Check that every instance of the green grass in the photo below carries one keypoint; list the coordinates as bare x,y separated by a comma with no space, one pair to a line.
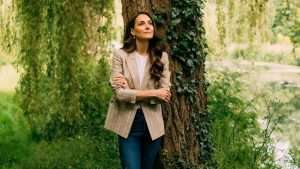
77,153
19,151
14,131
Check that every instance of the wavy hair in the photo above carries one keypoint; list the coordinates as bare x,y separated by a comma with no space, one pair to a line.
155,50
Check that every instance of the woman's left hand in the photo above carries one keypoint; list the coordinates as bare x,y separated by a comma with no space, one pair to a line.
119,81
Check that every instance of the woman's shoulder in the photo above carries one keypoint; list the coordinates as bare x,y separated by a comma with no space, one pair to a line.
119,51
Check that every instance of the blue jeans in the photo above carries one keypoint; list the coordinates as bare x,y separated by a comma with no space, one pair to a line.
138,151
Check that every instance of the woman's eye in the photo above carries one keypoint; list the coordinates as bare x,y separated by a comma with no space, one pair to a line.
143,23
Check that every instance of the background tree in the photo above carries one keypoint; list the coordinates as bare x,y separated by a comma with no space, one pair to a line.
61,83
287,21
243,20
187,140
7,29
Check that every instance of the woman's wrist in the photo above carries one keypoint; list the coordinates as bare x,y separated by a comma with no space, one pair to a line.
152,93
144,94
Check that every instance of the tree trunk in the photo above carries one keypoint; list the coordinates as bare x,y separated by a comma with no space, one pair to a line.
181,145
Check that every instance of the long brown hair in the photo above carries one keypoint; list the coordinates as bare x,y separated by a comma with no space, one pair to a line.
156,47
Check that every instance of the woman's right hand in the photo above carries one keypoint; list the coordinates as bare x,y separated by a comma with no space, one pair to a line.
119,81
163,94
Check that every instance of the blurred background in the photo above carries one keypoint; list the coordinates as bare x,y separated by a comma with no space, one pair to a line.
252,66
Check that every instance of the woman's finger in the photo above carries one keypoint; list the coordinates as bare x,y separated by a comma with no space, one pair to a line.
121,81
119,77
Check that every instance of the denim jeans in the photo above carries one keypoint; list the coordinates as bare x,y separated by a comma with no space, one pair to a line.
138,151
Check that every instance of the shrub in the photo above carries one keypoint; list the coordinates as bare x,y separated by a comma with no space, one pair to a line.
238,141
295,155
77,153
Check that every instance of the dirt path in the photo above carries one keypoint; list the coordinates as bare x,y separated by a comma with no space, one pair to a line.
263,72
8,78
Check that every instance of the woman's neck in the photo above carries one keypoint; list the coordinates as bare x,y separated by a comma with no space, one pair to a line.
142,47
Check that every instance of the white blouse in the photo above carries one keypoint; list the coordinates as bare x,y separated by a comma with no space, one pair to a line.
141,63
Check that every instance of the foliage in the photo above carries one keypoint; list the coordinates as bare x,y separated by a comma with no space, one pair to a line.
92,148
287,20
295,154
221,19
59,87
63,92
77,152
189,50
95,97
14,131
240,21
8,27
175,161
238,140
289,95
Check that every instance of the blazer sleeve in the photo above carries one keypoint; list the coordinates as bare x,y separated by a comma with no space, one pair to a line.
122,94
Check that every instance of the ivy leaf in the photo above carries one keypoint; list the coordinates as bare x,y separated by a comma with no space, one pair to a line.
190,62
176,21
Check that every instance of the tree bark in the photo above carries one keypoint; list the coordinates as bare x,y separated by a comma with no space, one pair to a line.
180,141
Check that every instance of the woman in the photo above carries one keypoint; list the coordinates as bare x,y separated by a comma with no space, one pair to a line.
141,81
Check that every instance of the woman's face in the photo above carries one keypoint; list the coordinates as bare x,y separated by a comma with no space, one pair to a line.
143,28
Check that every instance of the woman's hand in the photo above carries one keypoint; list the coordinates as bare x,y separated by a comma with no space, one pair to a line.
163,94
119,81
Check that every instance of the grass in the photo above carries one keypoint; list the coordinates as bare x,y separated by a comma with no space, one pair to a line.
14,131
19,151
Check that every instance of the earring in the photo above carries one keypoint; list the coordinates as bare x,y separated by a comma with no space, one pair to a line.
133,36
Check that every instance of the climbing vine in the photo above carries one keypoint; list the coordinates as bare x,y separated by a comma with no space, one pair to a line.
189,50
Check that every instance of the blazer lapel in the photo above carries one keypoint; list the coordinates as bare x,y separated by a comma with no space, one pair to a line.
133,69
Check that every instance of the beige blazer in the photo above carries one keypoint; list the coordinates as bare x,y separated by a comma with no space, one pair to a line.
123,105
